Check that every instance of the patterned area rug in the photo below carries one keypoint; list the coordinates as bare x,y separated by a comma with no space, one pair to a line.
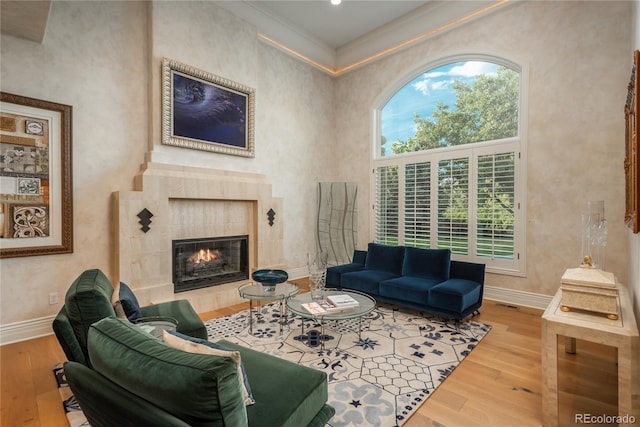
379,378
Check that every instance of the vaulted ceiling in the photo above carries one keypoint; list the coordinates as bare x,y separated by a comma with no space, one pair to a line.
335,39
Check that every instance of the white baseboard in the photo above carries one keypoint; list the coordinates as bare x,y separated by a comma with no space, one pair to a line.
29,329
510,296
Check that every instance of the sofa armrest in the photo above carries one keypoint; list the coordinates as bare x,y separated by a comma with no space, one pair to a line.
359,257
467,271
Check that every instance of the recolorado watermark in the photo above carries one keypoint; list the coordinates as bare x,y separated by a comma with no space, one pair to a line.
604,419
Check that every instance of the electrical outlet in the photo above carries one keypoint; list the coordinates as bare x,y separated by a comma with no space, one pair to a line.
53,298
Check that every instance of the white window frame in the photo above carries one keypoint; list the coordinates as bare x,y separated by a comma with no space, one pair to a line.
516,266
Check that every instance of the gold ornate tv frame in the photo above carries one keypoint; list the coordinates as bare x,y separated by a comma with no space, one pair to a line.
632,151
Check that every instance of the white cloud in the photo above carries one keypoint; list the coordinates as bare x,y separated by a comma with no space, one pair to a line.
433,80
434,74
473,68
422,86
440,85
425,86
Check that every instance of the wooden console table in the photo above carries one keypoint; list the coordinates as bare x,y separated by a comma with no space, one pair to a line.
621,334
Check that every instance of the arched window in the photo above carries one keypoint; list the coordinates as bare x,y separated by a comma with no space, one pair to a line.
449,163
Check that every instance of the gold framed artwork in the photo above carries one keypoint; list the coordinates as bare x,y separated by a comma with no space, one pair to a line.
632,154
206,112
36,192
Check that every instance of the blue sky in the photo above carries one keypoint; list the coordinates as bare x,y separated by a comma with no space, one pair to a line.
421,96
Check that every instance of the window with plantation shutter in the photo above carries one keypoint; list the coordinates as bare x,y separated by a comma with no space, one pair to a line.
417,205
453,205
495,206
387,205
449,163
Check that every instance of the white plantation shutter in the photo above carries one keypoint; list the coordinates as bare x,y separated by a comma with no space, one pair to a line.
459,182
453,205
386,207
495,213
417,205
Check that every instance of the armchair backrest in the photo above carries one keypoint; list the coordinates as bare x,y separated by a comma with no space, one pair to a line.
87,301
67,338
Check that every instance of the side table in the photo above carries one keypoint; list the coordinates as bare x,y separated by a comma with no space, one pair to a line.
257,292
154,325
621,334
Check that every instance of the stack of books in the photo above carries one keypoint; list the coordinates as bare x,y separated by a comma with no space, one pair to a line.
333,304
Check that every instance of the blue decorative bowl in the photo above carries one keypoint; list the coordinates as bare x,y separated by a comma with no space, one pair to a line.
269,278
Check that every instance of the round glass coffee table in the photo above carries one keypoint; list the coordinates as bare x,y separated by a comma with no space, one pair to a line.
257,292
366,304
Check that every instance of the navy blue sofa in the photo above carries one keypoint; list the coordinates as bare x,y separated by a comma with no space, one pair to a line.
421,279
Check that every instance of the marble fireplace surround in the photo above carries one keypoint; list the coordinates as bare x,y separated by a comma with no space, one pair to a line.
188,202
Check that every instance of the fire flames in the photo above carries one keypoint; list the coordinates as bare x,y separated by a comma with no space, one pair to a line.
204,255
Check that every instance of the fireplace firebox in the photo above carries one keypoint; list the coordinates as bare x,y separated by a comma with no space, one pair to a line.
199,263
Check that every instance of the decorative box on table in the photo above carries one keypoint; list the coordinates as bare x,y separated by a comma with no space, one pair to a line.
591,289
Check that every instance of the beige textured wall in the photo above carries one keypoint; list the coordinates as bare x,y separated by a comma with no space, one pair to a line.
577,54
293,109
103,58
97,57
92,58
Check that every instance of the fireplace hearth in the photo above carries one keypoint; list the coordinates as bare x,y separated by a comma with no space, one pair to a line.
200,263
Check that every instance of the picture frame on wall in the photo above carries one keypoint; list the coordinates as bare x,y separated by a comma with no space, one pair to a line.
632,151
36,190
203,111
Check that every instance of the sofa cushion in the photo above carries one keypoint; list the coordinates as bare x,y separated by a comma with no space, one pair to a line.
367,281
200,346
432,264
455,295
88,300
384,258
334,274
407,288
286,394
129,302
202,390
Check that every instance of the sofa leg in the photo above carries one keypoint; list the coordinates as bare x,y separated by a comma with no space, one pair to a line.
476,313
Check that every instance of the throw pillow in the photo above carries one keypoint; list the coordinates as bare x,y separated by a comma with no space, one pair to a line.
200,346
129,303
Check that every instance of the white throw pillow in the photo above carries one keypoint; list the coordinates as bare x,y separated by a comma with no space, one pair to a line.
194,347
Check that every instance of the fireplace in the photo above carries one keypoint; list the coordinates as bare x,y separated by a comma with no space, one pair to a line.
199,263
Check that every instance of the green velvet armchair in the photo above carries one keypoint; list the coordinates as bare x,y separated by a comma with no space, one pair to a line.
89,299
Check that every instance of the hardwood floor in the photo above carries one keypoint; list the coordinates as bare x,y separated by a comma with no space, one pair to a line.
498,384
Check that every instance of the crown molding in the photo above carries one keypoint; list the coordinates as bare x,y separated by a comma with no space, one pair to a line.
415,27
280,33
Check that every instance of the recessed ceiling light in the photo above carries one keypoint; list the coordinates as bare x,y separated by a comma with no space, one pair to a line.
336,2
